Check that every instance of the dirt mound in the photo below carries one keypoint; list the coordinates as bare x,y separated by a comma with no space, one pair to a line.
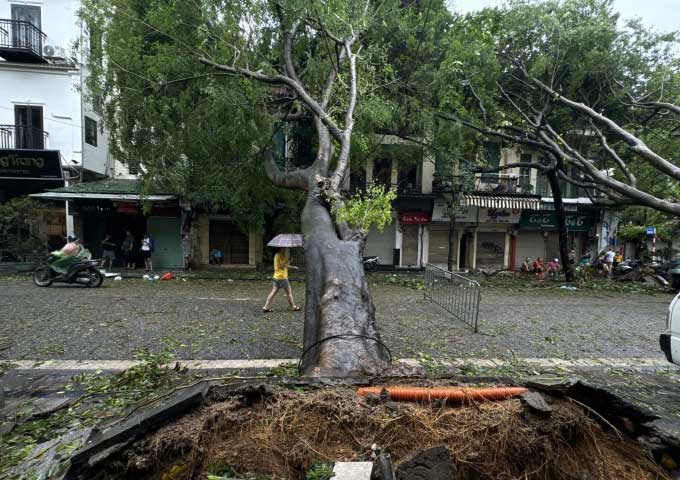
283,435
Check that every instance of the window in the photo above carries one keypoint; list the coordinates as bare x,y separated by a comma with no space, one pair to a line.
525,174
493,159
28,121
24,35
542,186
382,172
90,132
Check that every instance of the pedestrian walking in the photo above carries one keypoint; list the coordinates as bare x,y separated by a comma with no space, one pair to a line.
109,254
280,280
147,249
128,250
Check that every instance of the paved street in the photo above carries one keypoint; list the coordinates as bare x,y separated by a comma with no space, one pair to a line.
218,319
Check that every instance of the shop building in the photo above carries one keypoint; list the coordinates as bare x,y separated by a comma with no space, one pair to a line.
50,135
503,219
113,206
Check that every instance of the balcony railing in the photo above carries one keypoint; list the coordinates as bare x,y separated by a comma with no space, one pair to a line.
18,136
497,183
21,41
405,188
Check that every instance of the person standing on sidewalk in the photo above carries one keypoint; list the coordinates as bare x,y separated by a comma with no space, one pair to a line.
609,261
127,249
280,280
109,254
147,250
186,251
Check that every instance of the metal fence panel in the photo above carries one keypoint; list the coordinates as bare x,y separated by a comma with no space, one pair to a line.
456,294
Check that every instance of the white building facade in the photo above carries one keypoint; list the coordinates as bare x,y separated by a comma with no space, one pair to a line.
47,123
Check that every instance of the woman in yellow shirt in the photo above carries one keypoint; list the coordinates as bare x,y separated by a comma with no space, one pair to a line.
281,265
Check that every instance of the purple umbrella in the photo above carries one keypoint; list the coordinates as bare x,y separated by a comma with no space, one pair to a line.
286,240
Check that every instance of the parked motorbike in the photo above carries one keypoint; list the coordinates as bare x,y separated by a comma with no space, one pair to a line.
71,264
371,263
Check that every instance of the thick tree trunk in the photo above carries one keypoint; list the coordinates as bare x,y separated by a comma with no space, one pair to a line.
338,302
452,230
187,228
562,233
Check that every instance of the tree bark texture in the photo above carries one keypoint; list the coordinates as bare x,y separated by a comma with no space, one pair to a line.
452,236
337,302
562,232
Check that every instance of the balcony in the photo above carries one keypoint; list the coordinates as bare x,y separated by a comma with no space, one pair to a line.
404,188
21,41
20,137
497,183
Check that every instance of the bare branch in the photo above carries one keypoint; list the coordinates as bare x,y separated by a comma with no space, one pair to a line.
510,166
488,131
613,154
636,144
297,179
345,144
281,80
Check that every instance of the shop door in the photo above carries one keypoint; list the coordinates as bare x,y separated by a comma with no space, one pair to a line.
490,250
438,249
531,244
381,244
409,245
166,234
233,243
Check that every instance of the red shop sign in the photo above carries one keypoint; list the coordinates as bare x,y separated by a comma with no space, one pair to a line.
414,218
127,209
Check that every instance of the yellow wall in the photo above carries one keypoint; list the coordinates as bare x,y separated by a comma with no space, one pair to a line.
254,248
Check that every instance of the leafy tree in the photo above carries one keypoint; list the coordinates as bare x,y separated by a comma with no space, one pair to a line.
198,136
195,89
563,78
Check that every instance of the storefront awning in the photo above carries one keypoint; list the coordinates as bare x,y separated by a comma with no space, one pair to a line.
501,201
103,196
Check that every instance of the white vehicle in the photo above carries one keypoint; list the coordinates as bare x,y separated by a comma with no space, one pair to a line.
670,341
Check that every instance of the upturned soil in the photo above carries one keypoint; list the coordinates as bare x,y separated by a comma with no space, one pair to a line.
282,435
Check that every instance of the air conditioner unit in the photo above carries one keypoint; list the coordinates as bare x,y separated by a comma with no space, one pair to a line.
54,51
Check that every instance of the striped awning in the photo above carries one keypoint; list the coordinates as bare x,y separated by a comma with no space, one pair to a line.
501,201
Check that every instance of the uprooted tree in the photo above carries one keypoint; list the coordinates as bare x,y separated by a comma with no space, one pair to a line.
264,64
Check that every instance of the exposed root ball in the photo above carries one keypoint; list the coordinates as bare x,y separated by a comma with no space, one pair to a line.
284,435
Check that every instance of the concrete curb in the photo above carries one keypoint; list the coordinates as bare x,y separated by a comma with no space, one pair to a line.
240,364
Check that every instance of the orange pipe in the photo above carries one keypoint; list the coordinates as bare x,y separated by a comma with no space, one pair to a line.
454,394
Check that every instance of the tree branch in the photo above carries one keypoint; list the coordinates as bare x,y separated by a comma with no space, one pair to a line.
296,180
345,144
636,144
281,80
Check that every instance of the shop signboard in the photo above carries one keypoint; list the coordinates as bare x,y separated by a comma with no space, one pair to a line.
548,221
19,164
414,218
440,213
499,215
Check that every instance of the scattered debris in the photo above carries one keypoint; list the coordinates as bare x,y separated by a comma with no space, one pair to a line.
536,403
431,464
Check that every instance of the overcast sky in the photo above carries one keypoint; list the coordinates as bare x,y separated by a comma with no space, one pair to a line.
662,14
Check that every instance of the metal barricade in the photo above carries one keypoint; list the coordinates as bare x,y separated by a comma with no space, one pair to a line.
456,294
